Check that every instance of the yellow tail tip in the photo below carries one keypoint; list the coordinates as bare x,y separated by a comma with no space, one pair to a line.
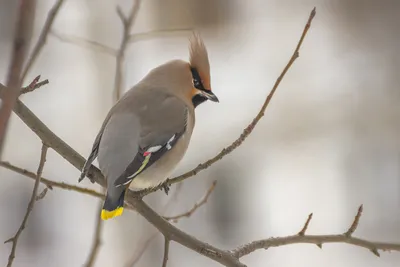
108,214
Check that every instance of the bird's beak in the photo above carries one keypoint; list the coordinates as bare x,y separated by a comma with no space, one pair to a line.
210,95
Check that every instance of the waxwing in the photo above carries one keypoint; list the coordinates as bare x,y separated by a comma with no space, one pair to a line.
147,132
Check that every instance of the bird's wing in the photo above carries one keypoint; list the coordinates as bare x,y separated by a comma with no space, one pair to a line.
140,134
93,154
162,124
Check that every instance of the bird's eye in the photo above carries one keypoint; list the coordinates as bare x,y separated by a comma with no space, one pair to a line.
197,83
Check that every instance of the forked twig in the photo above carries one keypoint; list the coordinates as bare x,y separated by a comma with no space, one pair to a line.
31,204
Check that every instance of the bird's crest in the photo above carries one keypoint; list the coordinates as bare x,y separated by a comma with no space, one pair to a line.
199,59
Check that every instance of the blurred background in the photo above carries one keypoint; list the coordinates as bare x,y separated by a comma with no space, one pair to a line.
329,140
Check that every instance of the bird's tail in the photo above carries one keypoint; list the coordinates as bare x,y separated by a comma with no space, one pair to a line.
111,208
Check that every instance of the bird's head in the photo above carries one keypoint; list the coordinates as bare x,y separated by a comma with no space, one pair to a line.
200,70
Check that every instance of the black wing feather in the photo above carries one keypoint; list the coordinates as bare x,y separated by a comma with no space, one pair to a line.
136,166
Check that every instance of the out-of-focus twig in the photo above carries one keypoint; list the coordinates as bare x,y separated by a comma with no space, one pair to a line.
49,183
248,130
127,23
137,255
142,249
22,38
142,36
42,37
31,204
197,205
85,43
96,239
166,252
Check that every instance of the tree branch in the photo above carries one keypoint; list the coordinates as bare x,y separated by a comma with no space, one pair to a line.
318,240
127,24
22,37
43,36
49,183
31,204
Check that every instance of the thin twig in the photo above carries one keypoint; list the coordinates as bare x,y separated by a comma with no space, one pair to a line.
142,36
166,252
85,43
356,220
31,204
197,205
96,239
43,36
127,23
305,227
249,129
49,183
22,37
35,84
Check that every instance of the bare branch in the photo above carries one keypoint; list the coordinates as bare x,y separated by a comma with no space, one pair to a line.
49,183
121,15
166,252
354,225
249,129
31,204
96,240
317,240
85,43
22,37
313,239
43,36
35,84
136,37
197,205
127,23
304,229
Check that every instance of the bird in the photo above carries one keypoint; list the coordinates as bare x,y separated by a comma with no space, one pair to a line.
147,132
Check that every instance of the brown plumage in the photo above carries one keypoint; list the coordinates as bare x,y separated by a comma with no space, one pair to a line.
199,59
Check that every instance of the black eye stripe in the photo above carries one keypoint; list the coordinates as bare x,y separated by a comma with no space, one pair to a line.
197,80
